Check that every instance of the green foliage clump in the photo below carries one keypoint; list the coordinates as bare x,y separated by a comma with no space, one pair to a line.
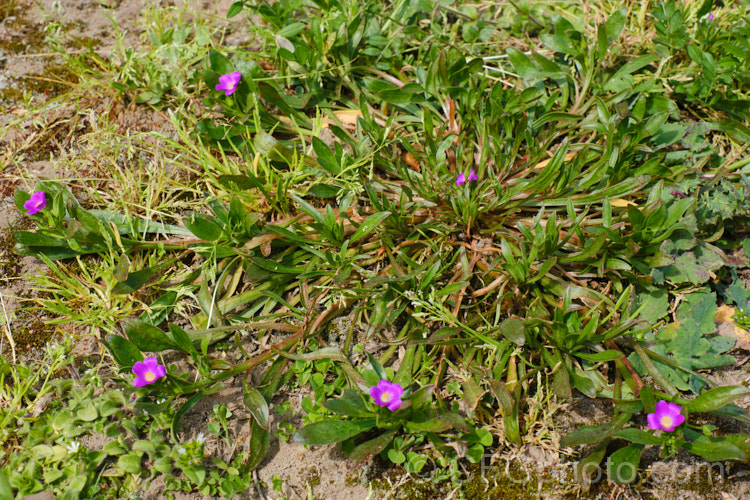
337,180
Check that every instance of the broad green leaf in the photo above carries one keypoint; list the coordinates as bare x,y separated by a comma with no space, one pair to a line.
369,449
514,330
634,65
596,433
130,463
455,420
292,30
473,391
433,425
332,431
120,272
377,367
38,240
589,251
52,253
558,43
655,305
124,351
733,411
622,466
196,473
160,308
422,396
629,405
219,62
350,404
322,190
614,25
146,336
234,9
19,198
182,339
5,366
202,227
326,159
638,436
717,398
715,450
368,225
522,63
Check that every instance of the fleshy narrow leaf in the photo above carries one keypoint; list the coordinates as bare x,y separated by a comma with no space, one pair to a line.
308,209
369,449
260,441
608,355
256,405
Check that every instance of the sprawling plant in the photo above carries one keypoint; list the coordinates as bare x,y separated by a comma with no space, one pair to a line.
491,236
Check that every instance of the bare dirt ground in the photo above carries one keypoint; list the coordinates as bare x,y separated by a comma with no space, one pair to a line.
42,145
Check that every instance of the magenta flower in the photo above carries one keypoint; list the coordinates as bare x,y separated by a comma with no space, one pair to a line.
147,372
36,203
666,417
228,83
387,394
461,178
711,16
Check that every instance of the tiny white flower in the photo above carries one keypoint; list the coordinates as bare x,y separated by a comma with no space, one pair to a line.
160,400
180,449
201,438
73,447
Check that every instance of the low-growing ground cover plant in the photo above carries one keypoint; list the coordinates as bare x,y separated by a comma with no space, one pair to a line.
564,218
